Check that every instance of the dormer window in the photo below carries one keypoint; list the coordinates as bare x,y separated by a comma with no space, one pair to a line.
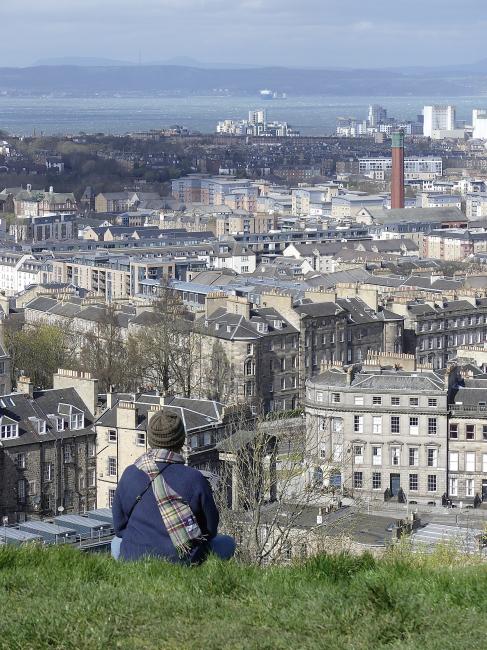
39,425
77,421
8,431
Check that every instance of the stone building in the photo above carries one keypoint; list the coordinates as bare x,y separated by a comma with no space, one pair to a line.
467,437
249,354
47,448
121,433
378,427
433,331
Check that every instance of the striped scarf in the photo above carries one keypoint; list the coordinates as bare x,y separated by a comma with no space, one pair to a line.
176,514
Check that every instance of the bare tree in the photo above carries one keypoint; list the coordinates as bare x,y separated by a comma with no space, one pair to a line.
103,351
274,487
166,348
220,375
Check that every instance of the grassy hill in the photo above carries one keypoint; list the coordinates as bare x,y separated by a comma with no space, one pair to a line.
62,599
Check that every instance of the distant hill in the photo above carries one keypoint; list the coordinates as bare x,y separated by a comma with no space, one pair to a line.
86,61
82,80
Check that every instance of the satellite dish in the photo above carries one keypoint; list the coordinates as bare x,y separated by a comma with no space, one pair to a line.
60,509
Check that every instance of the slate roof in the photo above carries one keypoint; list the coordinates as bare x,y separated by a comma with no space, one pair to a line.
195,413
19,407
398,215
385,380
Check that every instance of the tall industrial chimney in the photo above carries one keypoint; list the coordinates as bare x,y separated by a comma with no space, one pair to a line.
397,181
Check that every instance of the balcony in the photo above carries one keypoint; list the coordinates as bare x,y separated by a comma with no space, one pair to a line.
464,410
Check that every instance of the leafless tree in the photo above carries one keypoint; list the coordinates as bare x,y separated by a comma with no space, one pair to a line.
273,488
103,351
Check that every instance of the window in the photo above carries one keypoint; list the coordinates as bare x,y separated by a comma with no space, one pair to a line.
453,461
358,480
413,482
395,424
359,400
470,461
68,454
140,439
469,487
77,421
319,395
81,481
413,426
453,486
395,456
112,435
484,463
9,431
111,496
337,452
454,431
91,478
484,431
41,427
376,399
376,480
432,457
431,482
20,461
413,456
358,452
432,401
376,455
395,401
337,425
414,401
376,424
358,423
112,466
470,431
21,490
432,426
250,348
335,398
323,452
47,472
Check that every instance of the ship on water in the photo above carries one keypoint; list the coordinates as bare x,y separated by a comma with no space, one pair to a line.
271,94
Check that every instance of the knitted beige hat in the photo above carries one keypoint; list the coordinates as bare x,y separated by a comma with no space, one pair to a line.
166,431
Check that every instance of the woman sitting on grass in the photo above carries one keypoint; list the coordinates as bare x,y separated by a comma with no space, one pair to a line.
163,508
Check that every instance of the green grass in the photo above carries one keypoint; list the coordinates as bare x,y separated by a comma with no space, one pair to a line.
59,598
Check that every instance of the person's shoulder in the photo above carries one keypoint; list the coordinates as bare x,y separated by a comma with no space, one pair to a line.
195,476
132,472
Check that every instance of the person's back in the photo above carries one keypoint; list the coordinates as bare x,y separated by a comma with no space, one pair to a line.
159,502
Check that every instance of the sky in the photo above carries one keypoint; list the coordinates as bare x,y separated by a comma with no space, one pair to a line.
318,33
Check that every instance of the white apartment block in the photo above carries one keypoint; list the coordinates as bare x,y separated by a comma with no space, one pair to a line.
476,206
17,271
479,123
438,118
414,167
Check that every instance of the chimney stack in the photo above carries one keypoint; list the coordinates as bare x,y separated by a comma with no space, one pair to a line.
397,180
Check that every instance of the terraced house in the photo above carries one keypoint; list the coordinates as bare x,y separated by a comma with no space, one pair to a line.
381,428
48,448
433,331
391,425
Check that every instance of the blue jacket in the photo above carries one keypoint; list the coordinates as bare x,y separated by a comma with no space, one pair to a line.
144,533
